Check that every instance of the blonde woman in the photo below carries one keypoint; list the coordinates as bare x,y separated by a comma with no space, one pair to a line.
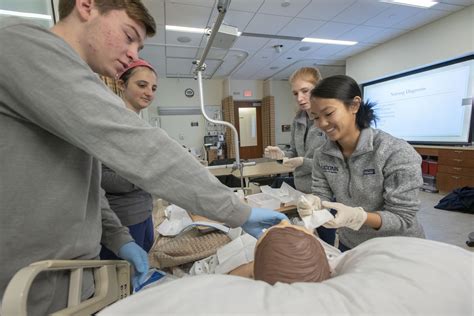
305,137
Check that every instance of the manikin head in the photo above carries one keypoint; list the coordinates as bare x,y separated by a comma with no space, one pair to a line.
107,34
302,81
138,84
288,253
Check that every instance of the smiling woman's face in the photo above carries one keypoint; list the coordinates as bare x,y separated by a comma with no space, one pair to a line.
336,119
139,91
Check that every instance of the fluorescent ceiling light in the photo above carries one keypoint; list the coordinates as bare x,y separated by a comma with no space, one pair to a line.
327,41
185,29
189,29
413,3
26,14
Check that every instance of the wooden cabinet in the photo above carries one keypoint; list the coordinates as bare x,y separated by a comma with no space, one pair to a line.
455,166
455,169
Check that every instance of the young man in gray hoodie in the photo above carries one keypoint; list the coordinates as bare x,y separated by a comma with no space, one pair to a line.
58,121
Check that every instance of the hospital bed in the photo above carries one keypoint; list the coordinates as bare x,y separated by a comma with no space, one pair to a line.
383,276
111,277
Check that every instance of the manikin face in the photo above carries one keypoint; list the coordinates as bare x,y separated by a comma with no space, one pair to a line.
335,118
302,91
140,89
111,41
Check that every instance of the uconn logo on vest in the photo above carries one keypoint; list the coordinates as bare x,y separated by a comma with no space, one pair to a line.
368,172
330,169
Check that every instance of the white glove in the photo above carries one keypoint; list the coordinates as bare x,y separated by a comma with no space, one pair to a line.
293,162
307,204
309,209
274,152
351,217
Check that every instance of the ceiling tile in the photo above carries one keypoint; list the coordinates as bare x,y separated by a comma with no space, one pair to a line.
327,51
187,15
245,5
361,11
229,65
392,15
156,9
459,2
384,35
179,66
447,6
332,30
155,55
172,38
238,19
300,27
214,53
419,19
360,33
324,9
267,24
275,7
181,52
201,3
353,50
295,53
250,44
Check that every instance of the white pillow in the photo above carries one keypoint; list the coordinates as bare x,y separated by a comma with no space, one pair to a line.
383,276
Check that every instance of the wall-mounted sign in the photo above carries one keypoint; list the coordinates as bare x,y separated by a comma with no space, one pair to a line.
286,128
247,93
189,92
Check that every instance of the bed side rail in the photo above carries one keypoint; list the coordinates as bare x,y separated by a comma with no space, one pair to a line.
112,283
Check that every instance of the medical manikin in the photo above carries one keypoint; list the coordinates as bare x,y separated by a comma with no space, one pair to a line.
287,253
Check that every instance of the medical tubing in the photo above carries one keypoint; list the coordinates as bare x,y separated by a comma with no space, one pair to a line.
234,130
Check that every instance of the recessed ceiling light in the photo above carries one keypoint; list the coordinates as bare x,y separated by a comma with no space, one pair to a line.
327,41
304,48
289,57
183,39
413,3
285,3
26,14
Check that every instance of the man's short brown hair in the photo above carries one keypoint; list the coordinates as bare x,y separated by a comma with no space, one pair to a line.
134,8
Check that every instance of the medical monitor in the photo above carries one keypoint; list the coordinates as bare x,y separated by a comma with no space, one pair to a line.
429,105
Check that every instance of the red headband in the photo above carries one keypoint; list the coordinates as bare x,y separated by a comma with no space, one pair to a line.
136,63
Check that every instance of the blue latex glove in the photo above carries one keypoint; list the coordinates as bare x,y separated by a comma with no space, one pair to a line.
134,254
261,218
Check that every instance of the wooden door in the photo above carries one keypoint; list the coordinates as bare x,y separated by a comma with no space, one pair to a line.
249,115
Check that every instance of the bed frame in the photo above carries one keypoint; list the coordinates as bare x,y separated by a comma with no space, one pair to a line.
112,283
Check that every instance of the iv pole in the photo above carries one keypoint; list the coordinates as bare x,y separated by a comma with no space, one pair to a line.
222,6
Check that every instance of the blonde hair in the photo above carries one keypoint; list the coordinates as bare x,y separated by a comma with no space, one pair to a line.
134,8
309,74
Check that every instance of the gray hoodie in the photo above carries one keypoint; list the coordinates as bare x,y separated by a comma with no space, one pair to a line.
304,146
382,175
57,122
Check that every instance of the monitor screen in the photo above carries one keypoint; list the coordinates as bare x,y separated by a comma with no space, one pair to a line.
430,105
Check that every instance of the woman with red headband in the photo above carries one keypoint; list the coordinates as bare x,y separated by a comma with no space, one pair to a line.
133,206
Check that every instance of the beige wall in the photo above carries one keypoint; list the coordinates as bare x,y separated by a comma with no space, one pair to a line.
285,109
441,40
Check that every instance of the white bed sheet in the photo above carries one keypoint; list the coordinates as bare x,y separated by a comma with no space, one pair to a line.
383,276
